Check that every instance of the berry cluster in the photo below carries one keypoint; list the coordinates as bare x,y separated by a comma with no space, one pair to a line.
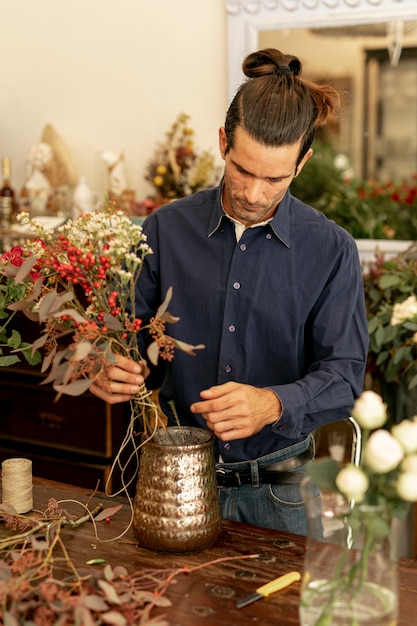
80,268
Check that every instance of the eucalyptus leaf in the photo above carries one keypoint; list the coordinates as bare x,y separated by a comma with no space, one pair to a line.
96,603
153,353
45,305
114,618
77,317
82,350
108,512
109,591
187,347
25,269
163,307
113,323
57,372
76,388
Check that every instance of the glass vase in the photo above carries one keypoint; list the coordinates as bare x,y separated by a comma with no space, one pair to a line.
350,575
176,507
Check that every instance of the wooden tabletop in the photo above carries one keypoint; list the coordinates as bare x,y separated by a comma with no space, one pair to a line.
207,596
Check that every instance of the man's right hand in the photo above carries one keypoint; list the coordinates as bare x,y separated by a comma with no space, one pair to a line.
120,382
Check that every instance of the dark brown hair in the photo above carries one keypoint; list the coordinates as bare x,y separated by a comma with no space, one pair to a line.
275,105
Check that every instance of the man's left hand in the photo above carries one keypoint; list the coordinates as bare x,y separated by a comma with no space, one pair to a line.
236,411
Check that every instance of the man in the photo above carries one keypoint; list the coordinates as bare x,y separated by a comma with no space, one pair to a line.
271,287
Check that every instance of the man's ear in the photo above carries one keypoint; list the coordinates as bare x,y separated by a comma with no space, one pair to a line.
222,142
303,161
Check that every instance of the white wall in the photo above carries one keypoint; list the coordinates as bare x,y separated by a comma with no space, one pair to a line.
110,75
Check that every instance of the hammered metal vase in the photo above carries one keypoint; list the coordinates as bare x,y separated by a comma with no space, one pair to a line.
176,507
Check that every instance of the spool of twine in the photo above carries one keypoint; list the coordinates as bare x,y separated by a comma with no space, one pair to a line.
17,489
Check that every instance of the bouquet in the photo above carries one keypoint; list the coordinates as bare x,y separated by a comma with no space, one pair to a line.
369,497
78,283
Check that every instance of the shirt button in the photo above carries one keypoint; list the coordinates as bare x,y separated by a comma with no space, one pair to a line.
227,446
228,369
243,247
232,328
269,236
236,285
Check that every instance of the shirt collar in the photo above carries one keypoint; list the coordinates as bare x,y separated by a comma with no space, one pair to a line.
280,223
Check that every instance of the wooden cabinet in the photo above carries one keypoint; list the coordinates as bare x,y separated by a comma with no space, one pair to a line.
73,440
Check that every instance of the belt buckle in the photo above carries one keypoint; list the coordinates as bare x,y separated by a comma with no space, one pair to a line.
227,473
221,472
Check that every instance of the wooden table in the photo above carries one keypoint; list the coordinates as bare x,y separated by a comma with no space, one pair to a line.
207,597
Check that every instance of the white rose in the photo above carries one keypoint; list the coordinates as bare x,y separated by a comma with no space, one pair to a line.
382,452
406,434
352,482
410,463
407,486
404,310
369,410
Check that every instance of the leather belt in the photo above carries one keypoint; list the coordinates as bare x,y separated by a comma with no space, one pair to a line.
279,473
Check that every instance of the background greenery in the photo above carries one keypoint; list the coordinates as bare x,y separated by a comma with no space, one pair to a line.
367,209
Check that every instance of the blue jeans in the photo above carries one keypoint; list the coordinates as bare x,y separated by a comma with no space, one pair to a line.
273,506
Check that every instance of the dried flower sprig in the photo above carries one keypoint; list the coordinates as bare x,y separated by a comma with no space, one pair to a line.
40,587
36,587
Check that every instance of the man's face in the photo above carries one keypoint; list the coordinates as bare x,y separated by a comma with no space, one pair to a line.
256,177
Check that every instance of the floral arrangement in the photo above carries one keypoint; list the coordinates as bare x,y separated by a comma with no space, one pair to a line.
379,489
176,170
390,288
79,284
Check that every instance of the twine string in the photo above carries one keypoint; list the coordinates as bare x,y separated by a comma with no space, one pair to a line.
17,487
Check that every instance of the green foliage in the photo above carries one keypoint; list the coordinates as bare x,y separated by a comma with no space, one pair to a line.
12,346
392,352
319,175
364,208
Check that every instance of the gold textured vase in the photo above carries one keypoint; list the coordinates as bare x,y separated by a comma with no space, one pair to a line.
176,507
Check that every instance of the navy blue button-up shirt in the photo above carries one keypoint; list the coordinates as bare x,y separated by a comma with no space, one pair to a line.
282,308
